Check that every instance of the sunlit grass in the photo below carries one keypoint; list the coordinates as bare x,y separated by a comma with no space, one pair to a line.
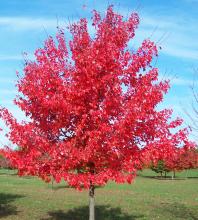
147,198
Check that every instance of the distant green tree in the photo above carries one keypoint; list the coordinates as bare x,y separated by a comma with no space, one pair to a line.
160,167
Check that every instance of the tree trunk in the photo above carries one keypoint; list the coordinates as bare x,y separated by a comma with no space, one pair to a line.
52,182
165,174
186,173
91,203
174,173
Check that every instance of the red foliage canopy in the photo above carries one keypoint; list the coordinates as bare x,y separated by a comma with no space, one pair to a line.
4,162
92,107
188,160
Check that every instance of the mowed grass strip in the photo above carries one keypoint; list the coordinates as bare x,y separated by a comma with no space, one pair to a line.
28,198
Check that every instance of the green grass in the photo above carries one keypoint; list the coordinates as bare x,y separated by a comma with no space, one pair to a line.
179,175
27,198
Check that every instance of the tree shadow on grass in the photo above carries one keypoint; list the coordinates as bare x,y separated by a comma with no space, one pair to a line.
57,187
6,208
163,178
192,177
145,176
5,173
179,211
101,212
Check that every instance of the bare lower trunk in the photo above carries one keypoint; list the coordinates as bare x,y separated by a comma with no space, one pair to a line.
52,182
91,203
174,173
186,174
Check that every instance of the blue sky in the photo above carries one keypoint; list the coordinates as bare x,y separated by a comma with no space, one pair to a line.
172,24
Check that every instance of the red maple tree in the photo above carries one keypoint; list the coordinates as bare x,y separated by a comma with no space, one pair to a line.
91,107
188,160
173,163
181,158
4,161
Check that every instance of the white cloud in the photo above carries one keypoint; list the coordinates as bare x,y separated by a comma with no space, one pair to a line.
7,80
176,81
6,102
10,57
19,57
177,36
191,1
30,23
7,91
181,82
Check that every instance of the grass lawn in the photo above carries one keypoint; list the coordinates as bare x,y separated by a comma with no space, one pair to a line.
27,198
